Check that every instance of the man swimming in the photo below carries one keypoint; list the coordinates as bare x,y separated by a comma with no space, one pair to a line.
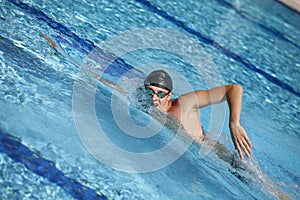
185,108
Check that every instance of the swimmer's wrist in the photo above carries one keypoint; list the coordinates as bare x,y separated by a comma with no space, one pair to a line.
233,123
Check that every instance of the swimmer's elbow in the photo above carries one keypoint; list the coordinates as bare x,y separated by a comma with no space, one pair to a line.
236,87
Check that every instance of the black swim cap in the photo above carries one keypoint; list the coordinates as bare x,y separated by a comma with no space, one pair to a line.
159,78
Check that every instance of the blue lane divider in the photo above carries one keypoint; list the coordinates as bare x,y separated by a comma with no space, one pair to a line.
84,45
43,167
118,67
266,28
219,47
89,45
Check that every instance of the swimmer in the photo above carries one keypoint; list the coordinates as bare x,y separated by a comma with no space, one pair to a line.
185,108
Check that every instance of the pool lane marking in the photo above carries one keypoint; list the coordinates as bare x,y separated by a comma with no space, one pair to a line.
219,47
266,28
83,45
228,5
90,45
45,168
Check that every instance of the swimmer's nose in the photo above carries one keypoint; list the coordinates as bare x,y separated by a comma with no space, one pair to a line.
154,97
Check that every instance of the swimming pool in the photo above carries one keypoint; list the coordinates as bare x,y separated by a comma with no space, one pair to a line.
43,155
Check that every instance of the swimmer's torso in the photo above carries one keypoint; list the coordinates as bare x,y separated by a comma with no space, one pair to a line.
189,119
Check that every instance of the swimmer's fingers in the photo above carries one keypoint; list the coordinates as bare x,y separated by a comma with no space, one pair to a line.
248,144
241,140
238,148
241,147
246,147
245,143
247,140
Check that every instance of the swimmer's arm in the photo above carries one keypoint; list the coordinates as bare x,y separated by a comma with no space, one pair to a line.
202,98
238,134
70,59
233,95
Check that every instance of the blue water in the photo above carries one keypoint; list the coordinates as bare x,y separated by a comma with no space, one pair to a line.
43,153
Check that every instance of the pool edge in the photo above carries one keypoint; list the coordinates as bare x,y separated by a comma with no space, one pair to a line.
292,4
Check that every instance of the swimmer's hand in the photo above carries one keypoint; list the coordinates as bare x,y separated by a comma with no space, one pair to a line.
240,139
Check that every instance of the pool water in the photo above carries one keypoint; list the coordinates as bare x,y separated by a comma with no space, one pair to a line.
48,150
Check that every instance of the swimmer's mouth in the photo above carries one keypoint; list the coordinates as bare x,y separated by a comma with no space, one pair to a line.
155,104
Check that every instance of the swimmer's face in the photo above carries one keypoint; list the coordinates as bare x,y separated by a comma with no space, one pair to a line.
159,96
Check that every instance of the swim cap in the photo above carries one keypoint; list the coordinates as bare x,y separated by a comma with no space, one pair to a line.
159,78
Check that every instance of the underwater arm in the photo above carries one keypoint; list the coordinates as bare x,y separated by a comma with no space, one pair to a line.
70,59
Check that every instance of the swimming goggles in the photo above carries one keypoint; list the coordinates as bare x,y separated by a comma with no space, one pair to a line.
160,94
